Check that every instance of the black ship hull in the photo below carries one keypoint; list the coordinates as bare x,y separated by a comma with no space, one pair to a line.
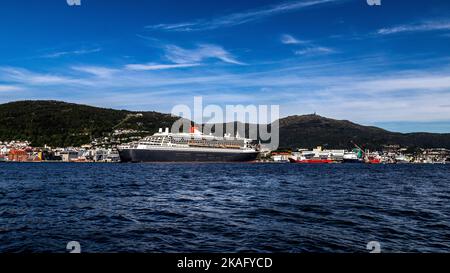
144,155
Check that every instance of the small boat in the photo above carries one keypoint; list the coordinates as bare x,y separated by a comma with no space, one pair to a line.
373,159
401,159
353,157
311,160
310,157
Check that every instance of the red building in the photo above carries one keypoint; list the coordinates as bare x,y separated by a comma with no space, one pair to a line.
18,155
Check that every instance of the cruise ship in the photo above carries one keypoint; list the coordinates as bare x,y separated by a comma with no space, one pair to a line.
194,146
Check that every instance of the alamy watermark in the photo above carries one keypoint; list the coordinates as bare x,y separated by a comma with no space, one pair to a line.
73,2
374,2
374,247
262,120
369,2
73,247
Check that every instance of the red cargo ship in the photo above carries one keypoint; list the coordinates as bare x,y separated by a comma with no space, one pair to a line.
317,156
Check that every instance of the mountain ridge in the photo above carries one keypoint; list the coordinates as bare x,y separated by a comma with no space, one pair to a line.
58,123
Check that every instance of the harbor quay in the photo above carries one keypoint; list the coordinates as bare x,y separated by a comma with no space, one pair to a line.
390,154
21,151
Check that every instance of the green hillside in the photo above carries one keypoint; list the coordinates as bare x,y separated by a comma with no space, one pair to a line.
66,124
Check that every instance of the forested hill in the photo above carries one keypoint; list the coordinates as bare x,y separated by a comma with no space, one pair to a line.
313,130
63,124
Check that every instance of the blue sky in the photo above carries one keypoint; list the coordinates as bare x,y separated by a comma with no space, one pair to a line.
382,65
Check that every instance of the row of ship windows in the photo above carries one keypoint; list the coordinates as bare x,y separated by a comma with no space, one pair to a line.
158,140
197,142
203,143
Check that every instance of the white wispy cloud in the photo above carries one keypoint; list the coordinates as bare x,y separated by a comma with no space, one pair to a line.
240,18
24,76
181,55
417,27
330,87
97,71
8,88
307,47
408,82
291,40
155,66
174,27
72,52
314,51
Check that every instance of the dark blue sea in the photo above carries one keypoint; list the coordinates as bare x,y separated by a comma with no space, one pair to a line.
224,207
